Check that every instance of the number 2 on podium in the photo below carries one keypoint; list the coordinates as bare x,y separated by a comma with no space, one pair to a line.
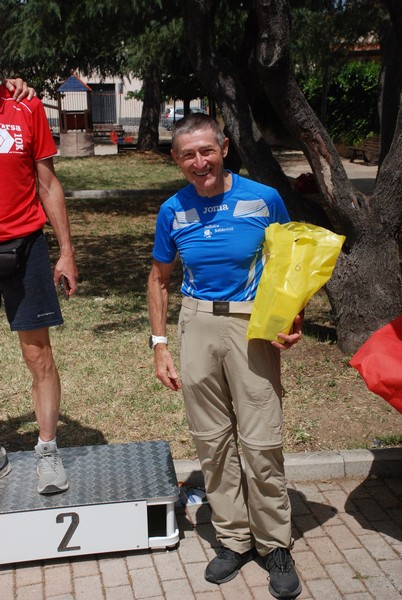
75,519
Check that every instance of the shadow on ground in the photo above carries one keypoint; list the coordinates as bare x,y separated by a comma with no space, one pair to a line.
323,333
376,502
21,433
307,515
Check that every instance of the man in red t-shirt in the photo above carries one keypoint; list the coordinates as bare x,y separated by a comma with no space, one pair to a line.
27,283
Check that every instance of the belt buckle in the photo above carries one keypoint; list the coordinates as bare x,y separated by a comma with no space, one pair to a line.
220,308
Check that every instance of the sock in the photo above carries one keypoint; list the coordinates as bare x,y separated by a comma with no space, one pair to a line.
42,443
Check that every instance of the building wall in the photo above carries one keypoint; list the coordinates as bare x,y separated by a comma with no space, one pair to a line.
109,101
114,91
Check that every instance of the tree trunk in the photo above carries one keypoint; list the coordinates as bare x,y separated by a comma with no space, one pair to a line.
222,83
148,134
365,290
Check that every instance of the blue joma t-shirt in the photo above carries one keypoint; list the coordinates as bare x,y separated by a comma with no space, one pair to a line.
219,239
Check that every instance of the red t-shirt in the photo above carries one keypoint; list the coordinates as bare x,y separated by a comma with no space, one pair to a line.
25,137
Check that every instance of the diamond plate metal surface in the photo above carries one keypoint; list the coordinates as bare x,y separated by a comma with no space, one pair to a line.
97,475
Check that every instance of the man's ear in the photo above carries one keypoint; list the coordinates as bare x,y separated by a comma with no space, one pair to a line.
174,156
225,147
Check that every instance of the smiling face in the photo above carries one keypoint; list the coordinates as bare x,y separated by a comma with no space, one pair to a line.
200,157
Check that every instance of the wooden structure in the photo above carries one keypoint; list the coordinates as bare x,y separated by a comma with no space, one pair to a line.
75,118
368,151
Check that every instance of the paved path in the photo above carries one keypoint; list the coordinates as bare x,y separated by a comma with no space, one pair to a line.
348,545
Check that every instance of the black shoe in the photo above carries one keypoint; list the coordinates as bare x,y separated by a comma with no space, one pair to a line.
226,565
5,466
283,580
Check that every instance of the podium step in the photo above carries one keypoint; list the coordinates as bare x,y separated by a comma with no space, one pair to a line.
121,497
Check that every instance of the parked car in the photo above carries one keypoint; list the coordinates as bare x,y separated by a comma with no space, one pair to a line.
171,115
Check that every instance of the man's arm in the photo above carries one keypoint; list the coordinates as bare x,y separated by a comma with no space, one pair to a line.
19,89
158,297
52,197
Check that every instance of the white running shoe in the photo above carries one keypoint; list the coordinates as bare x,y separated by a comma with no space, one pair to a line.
52,476
5,466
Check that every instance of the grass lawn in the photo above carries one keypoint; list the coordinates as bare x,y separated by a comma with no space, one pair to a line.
110,394
119,172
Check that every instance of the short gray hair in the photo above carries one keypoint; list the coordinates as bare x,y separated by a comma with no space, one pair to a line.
194,121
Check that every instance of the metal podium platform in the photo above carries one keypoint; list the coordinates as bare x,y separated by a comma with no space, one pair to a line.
121,497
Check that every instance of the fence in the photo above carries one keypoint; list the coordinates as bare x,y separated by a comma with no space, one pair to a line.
52,113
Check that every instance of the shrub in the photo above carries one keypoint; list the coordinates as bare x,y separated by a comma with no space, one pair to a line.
352,112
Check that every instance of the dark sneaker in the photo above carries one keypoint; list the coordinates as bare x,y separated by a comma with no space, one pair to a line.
5,466
52,476
283,580
226,565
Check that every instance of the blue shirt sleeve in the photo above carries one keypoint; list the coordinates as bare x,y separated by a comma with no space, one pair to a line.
165,249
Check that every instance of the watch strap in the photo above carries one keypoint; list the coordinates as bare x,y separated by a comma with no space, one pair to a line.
154,340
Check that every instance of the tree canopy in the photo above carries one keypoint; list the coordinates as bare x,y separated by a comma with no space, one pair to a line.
250,57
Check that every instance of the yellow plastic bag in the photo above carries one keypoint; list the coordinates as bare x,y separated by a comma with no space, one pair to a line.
301,258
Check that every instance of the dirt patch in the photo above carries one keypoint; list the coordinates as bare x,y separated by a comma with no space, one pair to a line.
327,405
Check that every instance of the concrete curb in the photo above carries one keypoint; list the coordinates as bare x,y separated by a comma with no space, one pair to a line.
313,466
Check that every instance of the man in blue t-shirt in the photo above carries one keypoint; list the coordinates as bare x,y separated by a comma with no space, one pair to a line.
231,387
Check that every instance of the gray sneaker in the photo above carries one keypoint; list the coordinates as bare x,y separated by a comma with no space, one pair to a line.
52,476
5,466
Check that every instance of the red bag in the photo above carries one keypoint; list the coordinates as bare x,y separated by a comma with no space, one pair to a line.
379,362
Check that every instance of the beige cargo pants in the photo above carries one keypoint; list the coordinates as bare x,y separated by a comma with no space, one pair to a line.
232,392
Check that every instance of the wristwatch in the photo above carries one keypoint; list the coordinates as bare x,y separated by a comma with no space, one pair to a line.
157,339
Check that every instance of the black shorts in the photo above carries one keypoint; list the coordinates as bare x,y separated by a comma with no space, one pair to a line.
30,296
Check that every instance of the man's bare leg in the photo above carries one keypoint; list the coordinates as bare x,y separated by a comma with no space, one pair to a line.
38,356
